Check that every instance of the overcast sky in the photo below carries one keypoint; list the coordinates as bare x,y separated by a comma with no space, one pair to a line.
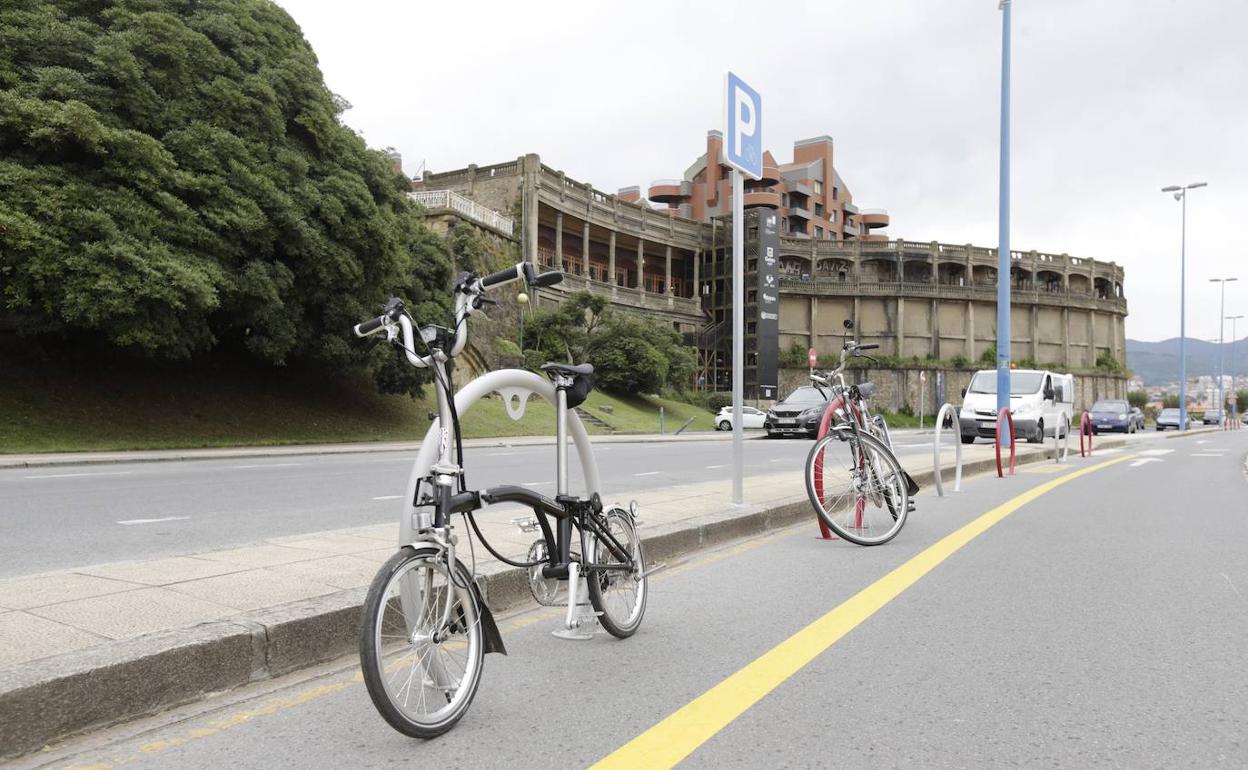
1112,100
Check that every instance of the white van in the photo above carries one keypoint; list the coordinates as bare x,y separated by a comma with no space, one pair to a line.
1037,401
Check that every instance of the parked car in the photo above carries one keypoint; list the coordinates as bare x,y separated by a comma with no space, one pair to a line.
1212,417
1112,415
1038,399
1169,418
1138,415
798,414
750,418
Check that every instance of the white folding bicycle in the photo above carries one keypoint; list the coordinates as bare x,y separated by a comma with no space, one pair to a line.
425,626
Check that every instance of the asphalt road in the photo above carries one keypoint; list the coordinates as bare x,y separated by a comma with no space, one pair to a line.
1100,623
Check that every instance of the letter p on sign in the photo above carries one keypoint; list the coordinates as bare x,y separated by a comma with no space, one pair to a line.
743,149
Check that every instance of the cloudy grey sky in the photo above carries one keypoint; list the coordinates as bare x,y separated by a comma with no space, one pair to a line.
1113,99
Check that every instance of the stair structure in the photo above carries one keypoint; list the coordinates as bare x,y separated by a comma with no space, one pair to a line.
590,419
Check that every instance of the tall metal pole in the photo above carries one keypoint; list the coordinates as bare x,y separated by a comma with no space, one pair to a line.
1221,342
1234,392
738,335
1003,223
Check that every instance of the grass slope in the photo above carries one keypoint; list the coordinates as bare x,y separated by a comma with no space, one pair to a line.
55,405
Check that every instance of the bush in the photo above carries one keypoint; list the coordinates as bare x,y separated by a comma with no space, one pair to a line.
960,362
906,410
1137,398
989,357
1107,362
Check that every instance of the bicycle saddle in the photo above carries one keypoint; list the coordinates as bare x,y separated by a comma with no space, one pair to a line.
866,389
570,370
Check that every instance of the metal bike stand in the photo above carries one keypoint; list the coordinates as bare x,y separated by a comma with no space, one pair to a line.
957,452
581,621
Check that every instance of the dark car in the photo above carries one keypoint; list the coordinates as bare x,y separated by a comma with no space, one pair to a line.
1112,415
1169,418
1212,417
798,414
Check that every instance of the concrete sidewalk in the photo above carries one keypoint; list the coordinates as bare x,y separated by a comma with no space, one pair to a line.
295,450
103,644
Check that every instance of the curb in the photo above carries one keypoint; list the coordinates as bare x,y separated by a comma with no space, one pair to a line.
61,696
237,453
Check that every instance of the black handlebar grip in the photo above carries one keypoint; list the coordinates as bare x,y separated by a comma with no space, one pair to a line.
869,346
370,326
502,276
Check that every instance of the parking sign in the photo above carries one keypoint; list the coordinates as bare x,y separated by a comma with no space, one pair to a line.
743,148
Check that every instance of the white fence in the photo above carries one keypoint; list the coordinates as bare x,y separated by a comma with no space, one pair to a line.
448,199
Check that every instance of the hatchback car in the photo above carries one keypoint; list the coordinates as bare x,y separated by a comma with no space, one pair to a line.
1212,417
1169,418
750,418
798,414
1112,415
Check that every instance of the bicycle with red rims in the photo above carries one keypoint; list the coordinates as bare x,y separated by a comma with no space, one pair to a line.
854,481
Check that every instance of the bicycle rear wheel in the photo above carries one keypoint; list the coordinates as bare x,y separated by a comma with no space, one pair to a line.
421,648
857,487
619,596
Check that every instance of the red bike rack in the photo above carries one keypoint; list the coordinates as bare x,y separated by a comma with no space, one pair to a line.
1010,419
1085,429
824,425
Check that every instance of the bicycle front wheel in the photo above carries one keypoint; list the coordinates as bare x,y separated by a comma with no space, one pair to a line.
421,648
857,487
619,595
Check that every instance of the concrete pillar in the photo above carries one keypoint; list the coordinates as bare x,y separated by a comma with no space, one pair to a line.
1065,335
1035,334
1091,339
970,330
697,276
559,240
585,248
901,326
934,348
668,270
532,169
857,318
611,265
814,319
641,268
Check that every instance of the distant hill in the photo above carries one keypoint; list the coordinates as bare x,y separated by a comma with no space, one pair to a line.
1158,362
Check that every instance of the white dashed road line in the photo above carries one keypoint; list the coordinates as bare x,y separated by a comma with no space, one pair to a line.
388,497
78,475
129,522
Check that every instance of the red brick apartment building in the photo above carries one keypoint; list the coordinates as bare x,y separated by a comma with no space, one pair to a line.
808,194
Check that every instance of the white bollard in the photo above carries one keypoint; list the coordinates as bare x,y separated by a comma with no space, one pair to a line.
957,446
1062,449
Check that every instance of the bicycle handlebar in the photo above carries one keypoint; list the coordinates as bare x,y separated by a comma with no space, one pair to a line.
389,314
506,275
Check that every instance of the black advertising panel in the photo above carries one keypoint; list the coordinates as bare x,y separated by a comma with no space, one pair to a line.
767,339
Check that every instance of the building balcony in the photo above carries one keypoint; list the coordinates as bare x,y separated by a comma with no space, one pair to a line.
799,211
824,284
771,173
683,309
873,218
762,198
874,237
670,190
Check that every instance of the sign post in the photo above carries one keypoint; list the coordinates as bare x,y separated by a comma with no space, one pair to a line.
743,150
922,395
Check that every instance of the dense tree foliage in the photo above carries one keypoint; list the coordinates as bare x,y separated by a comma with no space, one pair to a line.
630,354
1137,398
174,176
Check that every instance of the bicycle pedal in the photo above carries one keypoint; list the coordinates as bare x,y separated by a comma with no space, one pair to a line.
526,524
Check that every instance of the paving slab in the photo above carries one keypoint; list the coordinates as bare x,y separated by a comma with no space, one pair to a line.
129,614
253,588
36,590
25,637
159,572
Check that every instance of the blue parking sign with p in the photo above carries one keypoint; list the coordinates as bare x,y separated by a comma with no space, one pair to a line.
743,145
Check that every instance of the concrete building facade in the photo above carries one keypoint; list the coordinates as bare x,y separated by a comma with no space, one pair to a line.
916,298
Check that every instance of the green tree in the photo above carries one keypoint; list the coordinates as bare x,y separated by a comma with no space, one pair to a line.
1137,398
1241,401
174,176
989,357
1107,362
1170,402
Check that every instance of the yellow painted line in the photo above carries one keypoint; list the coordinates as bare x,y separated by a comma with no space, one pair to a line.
677,736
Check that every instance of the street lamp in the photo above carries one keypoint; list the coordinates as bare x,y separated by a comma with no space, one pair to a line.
1221,341
1180,194
522,299
1234,393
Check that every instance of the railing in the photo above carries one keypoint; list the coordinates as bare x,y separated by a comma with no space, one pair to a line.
633,297
791,282
453,201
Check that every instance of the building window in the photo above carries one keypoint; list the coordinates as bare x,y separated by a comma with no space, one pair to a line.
818,232
818,187
835,193
818,209
784,200
832,216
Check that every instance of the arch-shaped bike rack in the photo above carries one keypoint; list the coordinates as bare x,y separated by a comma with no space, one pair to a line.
1061,443
1085,429
515,386
1009,418
835,407
957,451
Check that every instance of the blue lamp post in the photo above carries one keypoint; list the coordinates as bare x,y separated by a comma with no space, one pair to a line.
1003,222
1180,194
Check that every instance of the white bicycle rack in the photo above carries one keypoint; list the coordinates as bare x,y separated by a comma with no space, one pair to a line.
957,451
515,386
1061,445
